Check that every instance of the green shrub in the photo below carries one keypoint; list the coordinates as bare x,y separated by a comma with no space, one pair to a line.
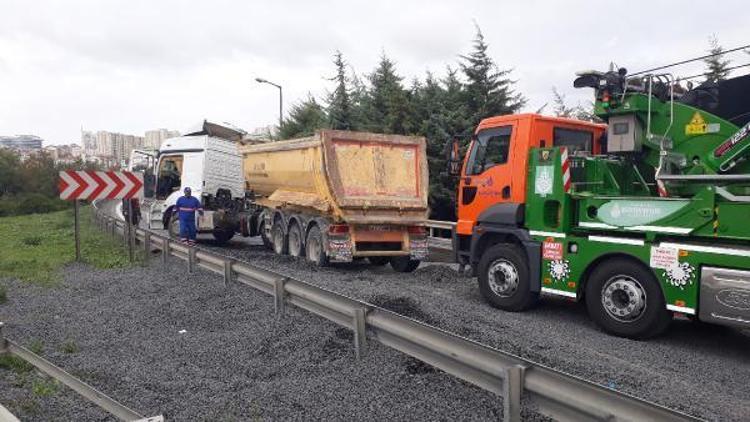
8,207
3,295
35,203
44,388
37,347
15,363
30,203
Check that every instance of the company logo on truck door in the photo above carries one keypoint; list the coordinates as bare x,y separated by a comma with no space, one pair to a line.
544,181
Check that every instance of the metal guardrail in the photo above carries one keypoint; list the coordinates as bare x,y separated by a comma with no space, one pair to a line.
556,394
88,392
438,224
434,225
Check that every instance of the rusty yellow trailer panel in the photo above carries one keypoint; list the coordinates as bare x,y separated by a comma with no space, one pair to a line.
352,176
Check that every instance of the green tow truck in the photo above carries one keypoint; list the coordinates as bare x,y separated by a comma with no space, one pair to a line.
648,219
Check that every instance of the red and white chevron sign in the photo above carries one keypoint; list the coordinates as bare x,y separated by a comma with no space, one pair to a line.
90,185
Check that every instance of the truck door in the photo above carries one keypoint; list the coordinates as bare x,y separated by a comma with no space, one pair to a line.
487,177
169,176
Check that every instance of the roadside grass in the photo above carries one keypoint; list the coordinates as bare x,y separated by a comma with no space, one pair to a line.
15,364
69,347
35,247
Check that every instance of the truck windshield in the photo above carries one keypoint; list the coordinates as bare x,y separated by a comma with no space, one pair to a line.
575,140
490,148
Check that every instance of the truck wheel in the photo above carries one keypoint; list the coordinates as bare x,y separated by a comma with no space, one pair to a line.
314,249
378,260
504,278
280,242
624,298
295,240
266,241
222,236
403,264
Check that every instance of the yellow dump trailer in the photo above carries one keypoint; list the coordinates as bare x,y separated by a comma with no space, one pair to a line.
341,195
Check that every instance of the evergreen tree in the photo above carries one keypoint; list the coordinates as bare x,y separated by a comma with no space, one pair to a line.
560,108
489,91
340,107
439,114
10,173
359,102
579,112
387,106
304,119
717,67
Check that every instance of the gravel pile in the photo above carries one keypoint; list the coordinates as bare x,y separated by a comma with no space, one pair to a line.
164,342
699,369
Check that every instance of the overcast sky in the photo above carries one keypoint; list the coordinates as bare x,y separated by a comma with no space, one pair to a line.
130,66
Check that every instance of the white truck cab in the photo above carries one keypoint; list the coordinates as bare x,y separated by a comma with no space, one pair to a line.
209,164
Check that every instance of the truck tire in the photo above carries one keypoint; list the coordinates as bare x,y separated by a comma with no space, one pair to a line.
404,264
279,239
504,278
222,236
266,241
378,260
624,298
295,240
314,249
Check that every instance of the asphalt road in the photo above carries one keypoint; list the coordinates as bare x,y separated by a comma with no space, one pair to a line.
699,369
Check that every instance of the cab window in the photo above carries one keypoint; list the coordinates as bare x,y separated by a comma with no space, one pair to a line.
575,140
170,172
490,149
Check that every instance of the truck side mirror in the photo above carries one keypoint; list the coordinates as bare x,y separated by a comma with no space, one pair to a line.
453,157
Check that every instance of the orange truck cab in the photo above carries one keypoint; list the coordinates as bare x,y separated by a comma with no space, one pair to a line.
492,185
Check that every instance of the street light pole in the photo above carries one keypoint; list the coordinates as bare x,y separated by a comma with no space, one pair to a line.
281,98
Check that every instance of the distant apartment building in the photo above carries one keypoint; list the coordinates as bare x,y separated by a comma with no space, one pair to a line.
154,138
115,148
22,143
88,142
111,146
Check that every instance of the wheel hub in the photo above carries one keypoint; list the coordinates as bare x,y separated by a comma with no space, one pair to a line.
624,298
503,278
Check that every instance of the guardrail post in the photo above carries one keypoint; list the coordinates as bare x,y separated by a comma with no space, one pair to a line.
512,391
360,333
227,272
146,247
164,250
191,259
278,296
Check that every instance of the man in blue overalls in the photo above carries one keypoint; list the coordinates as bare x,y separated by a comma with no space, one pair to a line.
185,209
